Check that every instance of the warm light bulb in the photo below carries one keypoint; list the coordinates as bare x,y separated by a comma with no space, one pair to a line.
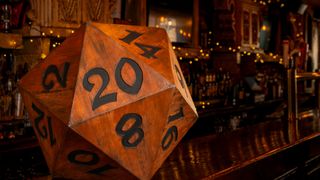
43,56
264,28
12,43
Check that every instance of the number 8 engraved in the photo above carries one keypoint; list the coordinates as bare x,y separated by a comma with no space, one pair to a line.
129,133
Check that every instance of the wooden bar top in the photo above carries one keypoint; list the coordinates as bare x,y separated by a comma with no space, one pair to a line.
214,156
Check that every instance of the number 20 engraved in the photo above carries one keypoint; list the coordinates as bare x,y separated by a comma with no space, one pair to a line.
100,100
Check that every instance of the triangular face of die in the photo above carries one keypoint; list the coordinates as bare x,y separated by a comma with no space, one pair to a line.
149,44
110,77
52,81
132,134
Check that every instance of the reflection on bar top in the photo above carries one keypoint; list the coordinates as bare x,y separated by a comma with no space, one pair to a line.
213,155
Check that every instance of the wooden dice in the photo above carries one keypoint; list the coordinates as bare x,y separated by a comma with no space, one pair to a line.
110,102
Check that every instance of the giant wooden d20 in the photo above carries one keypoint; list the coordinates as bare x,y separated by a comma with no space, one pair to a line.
111,101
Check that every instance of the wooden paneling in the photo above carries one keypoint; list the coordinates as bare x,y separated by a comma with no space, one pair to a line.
70,13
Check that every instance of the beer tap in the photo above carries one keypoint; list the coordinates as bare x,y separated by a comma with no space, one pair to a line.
292,84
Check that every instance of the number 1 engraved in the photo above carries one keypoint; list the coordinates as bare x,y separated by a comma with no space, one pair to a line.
131,36
176,116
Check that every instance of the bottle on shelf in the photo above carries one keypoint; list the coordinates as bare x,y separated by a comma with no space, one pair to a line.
241,93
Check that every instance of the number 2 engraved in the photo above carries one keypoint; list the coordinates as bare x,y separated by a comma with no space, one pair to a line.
134,129
61,78
148,50
98,99
44,131
103,74
91,159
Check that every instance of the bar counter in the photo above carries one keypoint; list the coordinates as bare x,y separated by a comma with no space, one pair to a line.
274,149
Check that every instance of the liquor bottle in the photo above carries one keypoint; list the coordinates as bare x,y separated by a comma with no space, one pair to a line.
241,92
5,12
275,88
222,86
214,86
235,95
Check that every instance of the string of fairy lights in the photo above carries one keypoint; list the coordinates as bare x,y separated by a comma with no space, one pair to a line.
55,35
280,3
217,46
185,54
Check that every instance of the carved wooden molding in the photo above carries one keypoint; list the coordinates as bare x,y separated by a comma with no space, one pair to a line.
70,13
